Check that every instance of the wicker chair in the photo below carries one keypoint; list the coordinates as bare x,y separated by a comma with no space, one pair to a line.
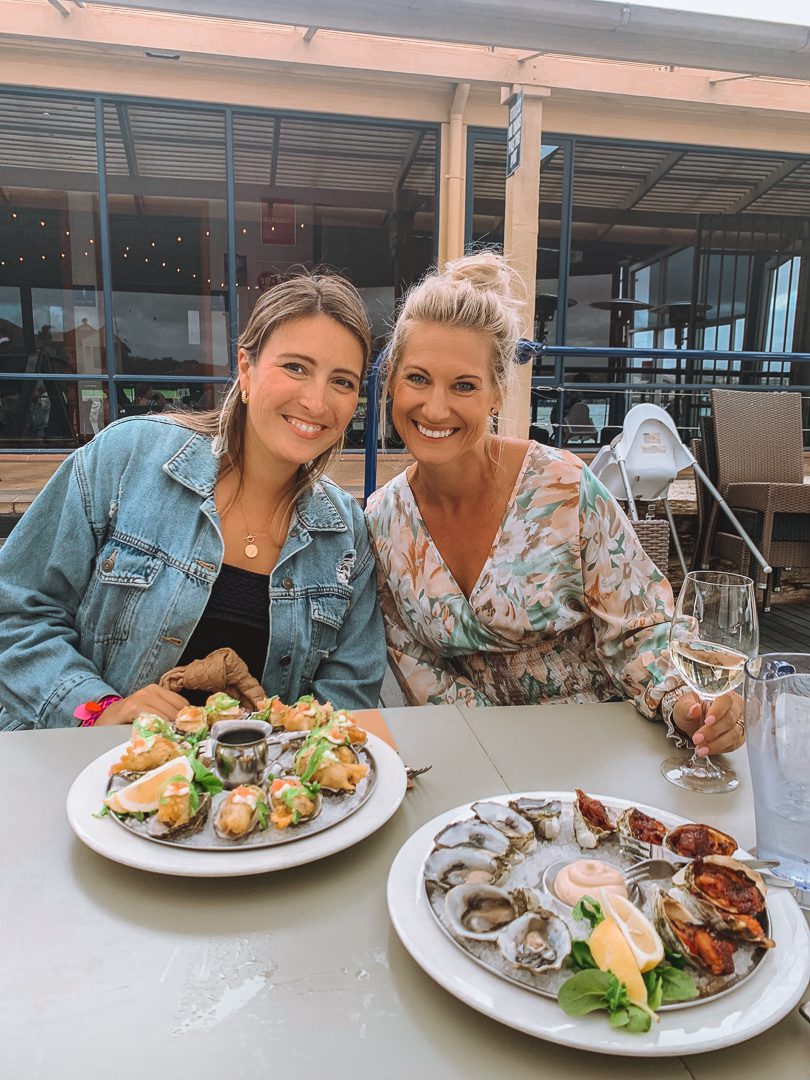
760,472
653,535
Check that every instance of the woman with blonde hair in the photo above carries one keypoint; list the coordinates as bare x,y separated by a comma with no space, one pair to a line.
507,573
169,537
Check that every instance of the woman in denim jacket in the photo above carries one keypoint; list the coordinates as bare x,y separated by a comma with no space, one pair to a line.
168,537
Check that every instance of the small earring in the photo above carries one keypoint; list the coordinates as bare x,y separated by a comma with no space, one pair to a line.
244,397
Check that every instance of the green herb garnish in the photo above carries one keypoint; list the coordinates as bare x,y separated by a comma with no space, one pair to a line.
204,778
589,910
590,990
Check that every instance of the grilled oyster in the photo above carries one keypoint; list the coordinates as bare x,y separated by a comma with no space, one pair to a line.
474,834
480,912
537,941
241,812
695,841
517,830
544,814
726,884
637,825
449,867
682,929
181,810
591,821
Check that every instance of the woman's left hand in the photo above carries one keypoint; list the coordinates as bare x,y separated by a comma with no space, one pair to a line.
720,730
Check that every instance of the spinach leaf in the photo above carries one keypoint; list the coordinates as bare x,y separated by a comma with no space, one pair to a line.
584,992
676,985
581,958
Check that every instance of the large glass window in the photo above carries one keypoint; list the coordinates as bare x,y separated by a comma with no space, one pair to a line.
166,178
51,297
353,196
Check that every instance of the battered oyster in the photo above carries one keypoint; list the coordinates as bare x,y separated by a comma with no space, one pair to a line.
448,867
193,720
682,930
291,801
696,841
544,814
537,941
639,826
333,768
241,812
305,715
223,707
591,821
473,833
181,810
481,912
145,752
517,830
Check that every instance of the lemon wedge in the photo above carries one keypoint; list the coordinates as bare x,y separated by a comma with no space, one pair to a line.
637,930
612,953
143,794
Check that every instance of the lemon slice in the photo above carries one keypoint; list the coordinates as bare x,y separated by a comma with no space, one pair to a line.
611,952
143,794
637,930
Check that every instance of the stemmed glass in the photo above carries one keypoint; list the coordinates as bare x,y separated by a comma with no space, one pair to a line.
714,631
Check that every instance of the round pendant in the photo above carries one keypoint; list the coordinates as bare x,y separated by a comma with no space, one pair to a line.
251,551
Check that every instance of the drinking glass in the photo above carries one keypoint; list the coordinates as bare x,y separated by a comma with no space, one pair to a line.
714,631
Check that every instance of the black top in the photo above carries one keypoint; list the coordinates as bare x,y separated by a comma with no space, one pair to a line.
236,616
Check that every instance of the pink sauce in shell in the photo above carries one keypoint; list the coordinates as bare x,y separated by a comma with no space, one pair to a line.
584,877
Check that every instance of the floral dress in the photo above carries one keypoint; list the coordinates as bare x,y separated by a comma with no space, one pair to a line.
567,607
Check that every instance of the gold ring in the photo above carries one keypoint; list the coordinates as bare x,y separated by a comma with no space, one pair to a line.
740,723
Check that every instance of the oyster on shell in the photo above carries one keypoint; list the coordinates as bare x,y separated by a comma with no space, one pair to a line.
682,929
448,867
237,815
518,831
474,834
728,885
172,817
636,825
591,821
544,814
292,802
537,941
695,841
481,912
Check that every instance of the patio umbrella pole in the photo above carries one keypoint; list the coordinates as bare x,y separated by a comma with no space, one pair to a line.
729,514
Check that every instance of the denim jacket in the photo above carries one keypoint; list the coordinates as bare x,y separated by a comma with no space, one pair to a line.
108,573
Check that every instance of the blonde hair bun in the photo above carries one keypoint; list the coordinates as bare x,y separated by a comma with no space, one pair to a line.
487,271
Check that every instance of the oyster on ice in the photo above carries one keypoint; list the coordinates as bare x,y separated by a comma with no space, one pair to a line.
544,814
517,830
682,929
537,941
726,884
591,821
480,912
695,841
291,802
241,812
474,834
448,867
635,824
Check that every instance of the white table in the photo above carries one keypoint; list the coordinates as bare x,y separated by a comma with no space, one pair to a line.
113,974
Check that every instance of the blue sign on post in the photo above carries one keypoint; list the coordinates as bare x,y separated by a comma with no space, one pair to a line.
513,132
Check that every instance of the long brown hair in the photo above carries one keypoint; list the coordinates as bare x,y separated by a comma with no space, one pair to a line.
297,297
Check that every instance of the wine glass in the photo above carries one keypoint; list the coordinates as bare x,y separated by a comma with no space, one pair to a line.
714,631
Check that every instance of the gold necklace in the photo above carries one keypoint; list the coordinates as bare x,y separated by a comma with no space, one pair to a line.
251,547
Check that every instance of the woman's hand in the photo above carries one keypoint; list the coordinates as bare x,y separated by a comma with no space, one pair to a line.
149,699
722,729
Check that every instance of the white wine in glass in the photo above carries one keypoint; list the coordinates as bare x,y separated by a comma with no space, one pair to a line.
714,631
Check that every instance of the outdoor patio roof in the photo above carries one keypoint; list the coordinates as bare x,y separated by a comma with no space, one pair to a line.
589,28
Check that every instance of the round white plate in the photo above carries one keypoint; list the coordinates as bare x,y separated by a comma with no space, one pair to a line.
766,997
120,845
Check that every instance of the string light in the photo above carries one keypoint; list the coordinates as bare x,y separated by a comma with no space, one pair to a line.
92,241
146,259
43,258
179,239
86,253
163,264
22,259
67,232
153,243
42,223
14,214
244,232
62,255
207,231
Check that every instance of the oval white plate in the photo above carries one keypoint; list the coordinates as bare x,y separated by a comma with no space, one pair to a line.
105,836
773,990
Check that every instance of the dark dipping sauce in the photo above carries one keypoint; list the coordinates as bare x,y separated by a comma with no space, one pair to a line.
240,737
